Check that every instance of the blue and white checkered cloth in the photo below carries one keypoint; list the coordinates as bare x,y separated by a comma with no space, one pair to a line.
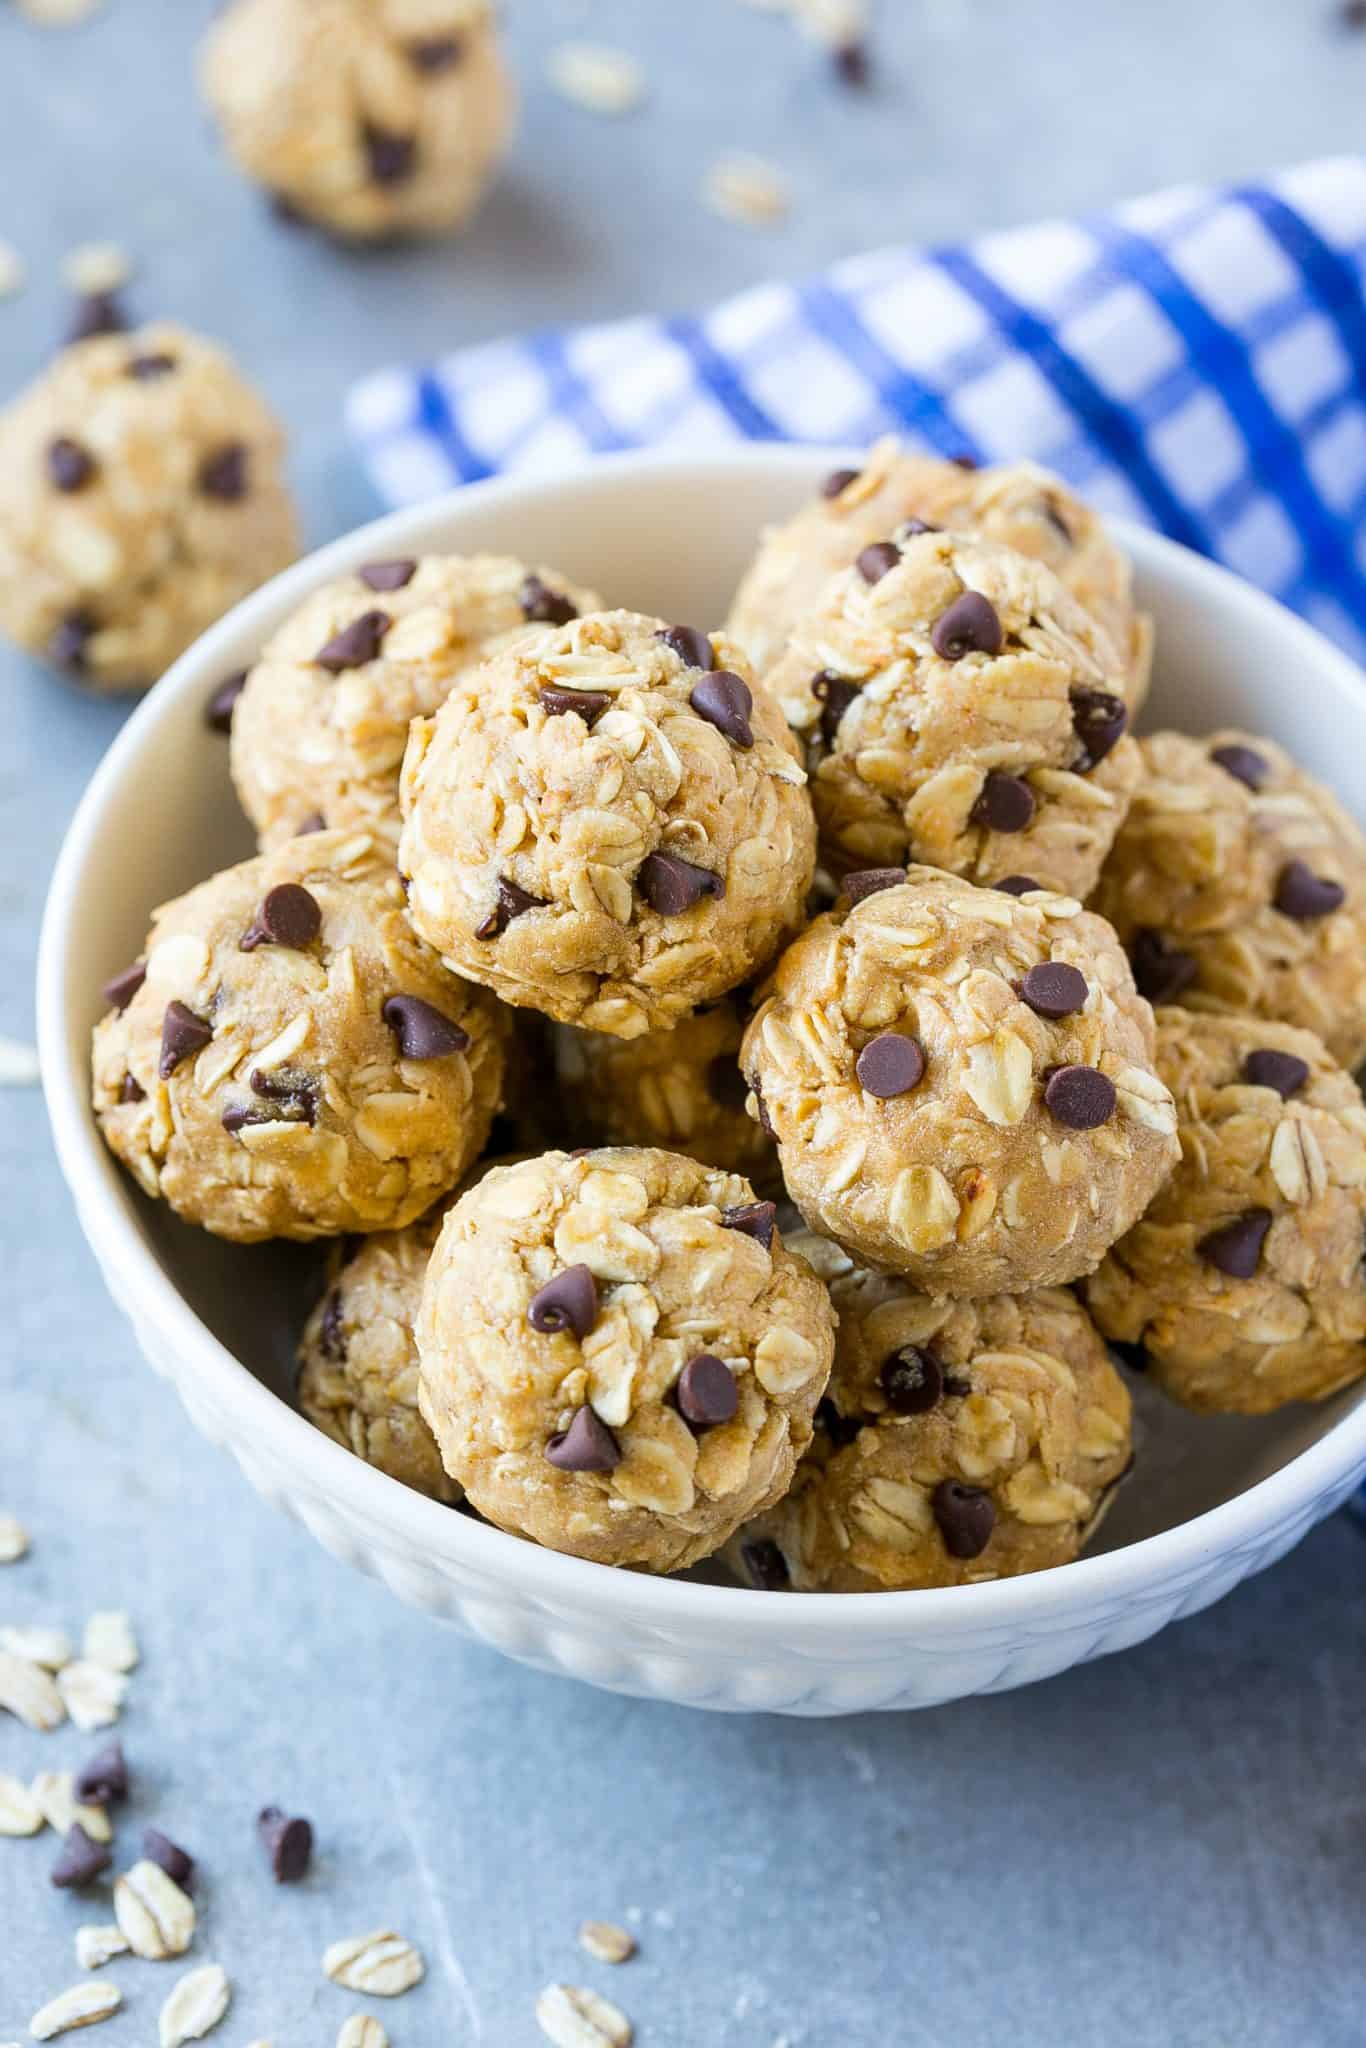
1196,360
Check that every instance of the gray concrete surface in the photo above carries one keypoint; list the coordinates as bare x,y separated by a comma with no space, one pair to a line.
1167,1849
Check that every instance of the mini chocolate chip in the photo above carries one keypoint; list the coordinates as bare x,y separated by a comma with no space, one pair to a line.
423,1032
971,625
851,64
588,705
706,1392
314,822
131,1090
725,701
355,644
1300,893
104,1780
238,1115
1099,721
182,1033
912,1380
69,466
288,1843
866,882
1244,764
1236,1248
588,1445
568,1302
1053,989
765,1120
692,646
331,1328
965,1516
672,885
1004,804
70,640
1016,885
841,1429
968,462
890,1064
877,560
766,1565
289,916
392,158
121,989
296,1094
1161,970
1081,1097
839,481
1283,1071
911,527
512,902
726,1085
396,575
81,1860
224,475
546,607
834,694
97,313
177,1863
754,1219
220,707
433,54
147,369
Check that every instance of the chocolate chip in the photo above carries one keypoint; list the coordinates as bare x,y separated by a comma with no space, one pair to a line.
224,475
81,1860
588,1445
1300,893
512,902
69,466
220,707
314,822
288,1843
423,1032
1099,721
877,560
1081,1097
120,991
910,528
1236,1248
355,644
1053,989
331,1328
692,646
1004,804
1161,970
725,701
147,369
1016,885
238,1115
97,313
672,885
294,1093
289,916
70,640
568,1302
965,1516
890,1064
177,1863
754,1219
841,1429
545,606
396,575
866,882
834,694
1283,1071
765,1120
588,705
838,481
971,625
104,1780
726,1085
433,54
182,1033
851,64
131,1090
392,158
706,1392
912,1380
1244,764
766,1565
968,462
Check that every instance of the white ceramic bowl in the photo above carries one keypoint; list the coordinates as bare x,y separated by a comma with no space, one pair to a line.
1212,1499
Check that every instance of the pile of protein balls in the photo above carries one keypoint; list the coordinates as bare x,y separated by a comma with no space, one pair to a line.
820,950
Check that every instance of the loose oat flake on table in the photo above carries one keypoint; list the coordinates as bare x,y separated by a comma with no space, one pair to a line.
362,2030
598,79
606,1942
29,1693
13,1540
54,1793
382,1964
573,2017
82,2006
20,1813
19,1067
46,1646
746,189
98,1945
94,1695
195,2006
153,1912
109,1641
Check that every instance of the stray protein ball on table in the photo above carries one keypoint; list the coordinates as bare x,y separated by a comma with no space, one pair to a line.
287,1059
369,118
319,728
606,824
959,1441
961,1084
358,1358
960,709
1238,882
1244,1280
143,495
620,1358
1017,505
682,1090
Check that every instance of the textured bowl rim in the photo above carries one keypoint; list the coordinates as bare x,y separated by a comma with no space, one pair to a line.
550,1578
